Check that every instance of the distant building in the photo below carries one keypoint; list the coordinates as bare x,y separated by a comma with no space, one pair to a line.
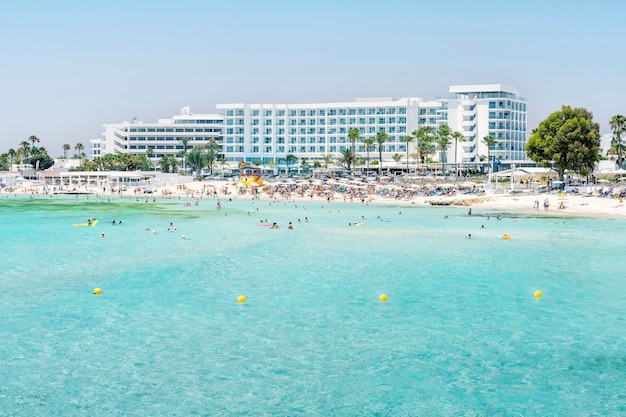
163,137
269,132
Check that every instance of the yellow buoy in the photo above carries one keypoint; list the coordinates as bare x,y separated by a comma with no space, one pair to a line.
506,237
383,297
241,299
538,294
97,291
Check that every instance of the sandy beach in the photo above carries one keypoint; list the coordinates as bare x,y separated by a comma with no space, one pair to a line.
528,202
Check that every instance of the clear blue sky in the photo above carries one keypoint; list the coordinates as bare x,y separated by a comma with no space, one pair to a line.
69,66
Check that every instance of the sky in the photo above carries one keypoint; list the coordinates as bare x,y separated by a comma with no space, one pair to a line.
70,66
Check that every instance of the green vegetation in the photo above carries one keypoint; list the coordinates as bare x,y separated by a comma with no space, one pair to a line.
567,140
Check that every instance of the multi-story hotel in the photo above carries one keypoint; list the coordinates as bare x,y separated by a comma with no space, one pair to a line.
269,132
165,137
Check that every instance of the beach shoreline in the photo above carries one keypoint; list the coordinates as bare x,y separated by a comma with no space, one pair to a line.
527,203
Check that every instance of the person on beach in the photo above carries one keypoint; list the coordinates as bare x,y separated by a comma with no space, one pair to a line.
546,204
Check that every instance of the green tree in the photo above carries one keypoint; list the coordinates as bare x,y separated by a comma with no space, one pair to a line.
183,154
353,135
396,157
79,149
33,139
11,154
4,162
425,137
149,153
289,159
346,158
66,147
197,159
458,137
168,163
381,138
212,150
24,150
618,125
491,142
443,142
369,145
407,140
327,160
304,164
567,140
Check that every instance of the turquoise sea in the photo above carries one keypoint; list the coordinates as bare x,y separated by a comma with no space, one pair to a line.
460,335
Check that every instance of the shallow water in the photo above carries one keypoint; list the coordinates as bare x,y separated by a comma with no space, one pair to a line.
461,333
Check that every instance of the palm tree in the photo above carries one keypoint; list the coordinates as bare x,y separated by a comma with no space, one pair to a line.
381,137
290,159
618,124
197,159
458,137
489,141
184,141
327,160
79,148
425,137
168,163
11,154
369,145
353,135
443,142
346,158
408,139
25,149
33,139
66,147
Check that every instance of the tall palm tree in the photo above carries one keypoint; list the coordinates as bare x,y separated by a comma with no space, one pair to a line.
369,145
408,139
25,149
79,148
489,141
11,154
290,159
33,139
353,135
66,147
443,142
458,137
381,137
425,136
618,124
185,142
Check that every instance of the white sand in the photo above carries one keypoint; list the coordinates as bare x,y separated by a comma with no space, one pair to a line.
574,204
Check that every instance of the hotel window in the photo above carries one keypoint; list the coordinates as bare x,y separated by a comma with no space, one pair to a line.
392,120
342,112
402,129
293,122
302,113
432,121
311,112
381,110
361,120
255,130
322,130
255,149
392,110
361,130
267,140
268,131
229,149
292,140
361,111
402,110
255,139
342,121
332,149
268,113
229,140
302,139
352,112
255,113
293,131
230,112
268,122
332,112
312,122
292,113
371,120
280,113
371,111
322,121
402,119
281,149
322,112
240,112
281,122
229,131
381,120
322,148
302,122
352,121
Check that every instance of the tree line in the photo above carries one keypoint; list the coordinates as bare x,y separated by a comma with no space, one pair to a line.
567,140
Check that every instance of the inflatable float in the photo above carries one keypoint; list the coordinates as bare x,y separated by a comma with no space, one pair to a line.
93,223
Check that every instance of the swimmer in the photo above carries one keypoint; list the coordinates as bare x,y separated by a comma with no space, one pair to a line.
184,237
290,227
102,234
469,236
154,232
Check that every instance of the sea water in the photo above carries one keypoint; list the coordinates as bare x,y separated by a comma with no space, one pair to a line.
461,333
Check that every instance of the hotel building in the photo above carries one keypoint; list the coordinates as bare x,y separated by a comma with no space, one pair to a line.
164,137
269,132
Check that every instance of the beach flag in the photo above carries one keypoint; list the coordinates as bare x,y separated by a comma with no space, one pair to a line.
496,161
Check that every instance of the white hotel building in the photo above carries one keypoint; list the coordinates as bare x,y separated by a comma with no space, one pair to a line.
268,132
164,137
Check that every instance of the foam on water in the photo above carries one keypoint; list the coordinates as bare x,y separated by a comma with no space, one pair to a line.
461,333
